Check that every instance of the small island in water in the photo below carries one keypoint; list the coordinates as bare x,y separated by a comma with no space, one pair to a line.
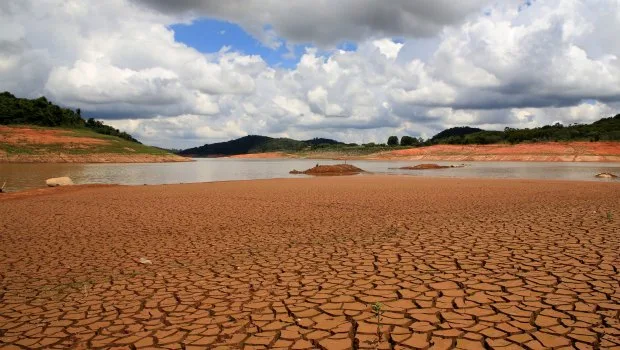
330,170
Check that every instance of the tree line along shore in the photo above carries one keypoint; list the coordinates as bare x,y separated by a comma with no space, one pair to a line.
37,130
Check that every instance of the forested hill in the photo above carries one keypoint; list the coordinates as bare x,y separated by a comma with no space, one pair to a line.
606,129
42,112
254,144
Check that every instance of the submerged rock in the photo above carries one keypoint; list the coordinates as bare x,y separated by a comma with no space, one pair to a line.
59,181
606,175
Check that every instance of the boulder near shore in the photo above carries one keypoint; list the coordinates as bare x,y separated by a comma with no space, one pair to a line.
331,170
59,181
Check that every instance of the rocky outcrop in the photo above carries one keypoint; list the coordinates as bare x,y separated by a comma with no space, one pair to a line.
330,170
59,181
606,176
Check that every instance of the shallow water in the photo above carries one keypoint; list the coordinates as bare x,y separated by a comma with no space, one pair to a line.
27,176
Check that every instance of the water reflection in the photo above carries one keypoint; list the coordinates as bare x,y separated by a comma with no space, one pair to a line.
25,176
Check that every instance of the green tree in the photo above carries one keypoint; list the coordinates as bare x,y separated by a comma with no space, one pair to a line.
408,141
392,141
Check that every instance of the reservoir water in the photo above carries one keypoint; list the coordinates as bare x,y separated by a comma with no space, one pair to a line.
28,176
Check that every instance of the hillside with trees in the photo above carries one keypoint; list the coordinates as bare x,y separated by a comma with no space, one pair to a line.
41,112
606,129
38,131
256,144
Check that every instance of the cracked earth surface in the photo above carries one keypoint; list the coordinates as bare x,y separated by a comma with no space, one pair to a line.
298,263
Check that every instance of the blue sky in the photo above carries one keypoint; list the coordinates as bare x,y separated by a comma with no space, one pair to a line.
210,35
479,63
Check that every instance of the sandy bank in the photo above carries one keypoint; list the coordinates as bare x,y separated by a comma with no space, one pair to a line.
296,262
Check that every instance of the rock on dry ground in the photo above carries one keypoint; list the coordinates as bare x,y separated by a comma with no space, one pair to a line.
59,181
297,264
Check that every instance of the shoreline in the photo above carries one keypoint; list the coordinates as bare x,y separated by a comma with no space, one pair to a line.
446,158
44,191
523,152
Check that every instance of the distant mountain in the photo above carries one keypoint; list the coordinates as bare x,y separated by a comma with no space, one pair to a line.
254,144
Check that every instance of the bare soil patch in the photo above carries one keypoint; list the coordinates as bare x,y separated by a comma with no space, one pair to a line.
330,170
19,135
544,151
299,264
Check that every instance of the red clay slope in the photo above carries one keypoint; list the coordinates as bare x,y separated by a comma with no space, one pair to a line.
545,152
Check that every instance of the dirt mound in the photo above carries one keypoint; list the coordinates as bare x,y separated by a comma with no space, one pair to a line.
331,170
429,166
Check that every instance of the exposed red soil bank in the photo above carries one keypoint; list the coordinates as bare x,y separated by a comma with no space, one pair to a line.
17,135
48,145
530,152
548,152
331,170
297,263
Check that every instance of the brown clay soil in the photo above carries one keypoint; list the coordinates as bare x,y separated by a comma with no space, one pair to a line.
532,152
297,264
331,170
544,151
18,135
23,135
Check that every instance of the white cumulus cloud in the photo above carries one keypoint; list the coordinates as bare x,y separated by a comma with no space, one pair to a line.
479,63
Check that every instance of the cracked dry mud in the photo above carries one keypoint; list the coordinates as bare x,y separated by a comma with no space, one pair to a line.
297,264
